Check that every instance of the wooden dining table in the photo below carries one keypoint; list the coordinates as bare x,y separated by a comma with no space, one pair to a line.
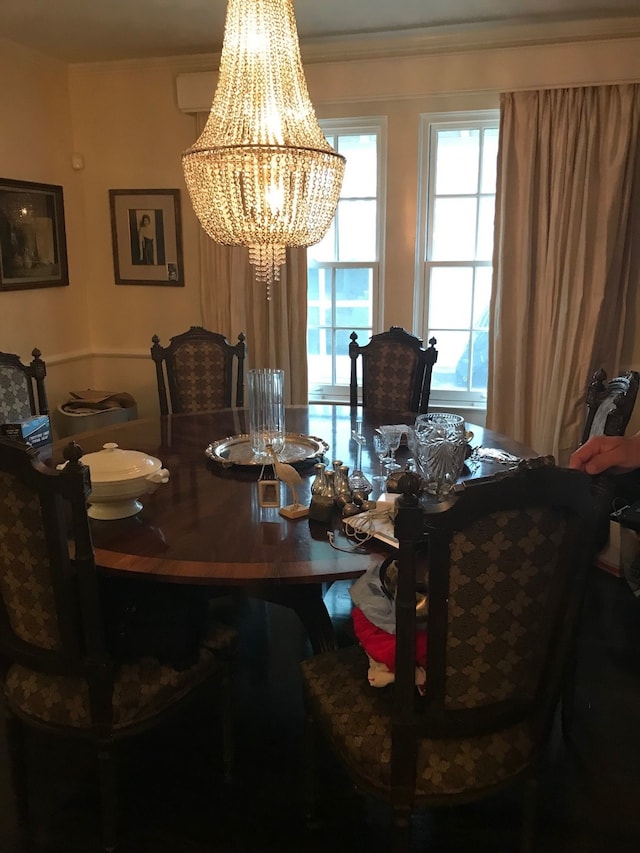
206,525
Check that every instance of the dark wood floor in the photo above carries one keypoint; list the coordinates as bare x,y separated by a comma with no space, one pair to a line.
174,800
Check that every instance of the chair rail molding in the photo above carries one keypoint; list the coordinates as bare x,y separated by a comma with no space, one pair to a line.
80,355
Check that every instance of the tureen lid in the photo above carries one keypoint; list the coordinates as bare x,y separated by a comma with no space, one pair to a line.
111,464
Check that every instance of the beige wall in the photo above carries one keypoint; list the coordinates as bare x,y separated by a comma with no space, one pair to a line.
125,120
36,143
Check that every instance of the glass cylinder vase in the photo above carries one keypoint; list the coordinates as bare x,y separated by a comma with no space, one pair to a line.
266,410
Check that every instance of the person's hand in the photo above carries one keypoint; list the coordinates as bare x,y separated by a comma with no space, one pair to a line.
605,452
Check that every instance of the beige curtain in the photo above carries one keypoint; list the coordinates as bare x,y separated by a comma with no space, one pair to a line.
233,302
566,257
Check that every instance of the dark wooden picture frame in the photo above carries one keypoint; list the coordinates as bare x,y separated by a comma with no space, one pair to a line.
147,237
33,240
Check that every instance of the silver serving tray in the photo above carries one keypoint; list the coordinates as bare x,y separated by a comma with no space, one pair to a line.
236,450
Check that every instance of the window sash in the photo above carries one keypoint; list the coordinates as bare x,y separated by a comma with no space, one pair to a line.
324,321
429,261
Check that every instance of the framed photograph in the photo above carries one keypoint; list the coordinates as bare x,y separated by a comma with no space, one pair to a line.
147,238
269,493
33,242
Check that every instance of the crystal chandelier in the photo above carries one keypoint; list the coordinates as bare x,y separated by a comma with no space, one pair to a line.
262,173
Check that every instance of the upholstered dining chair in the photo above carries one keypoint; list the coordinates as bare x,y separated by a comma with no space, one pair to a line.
504,575
396,371
610,404
22,387
195,371
58,676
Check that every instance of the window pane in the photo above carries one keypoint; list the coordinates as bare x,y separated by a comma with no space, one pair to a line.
454,231
319,355
450,294
343,362
361,172
319,368
324,251
353,298
453,349
489,160
486,213
357,230
482,297
457,159
479,360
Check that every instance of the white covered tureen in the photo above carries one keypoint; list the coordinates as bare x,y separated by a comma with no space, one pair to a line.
119,478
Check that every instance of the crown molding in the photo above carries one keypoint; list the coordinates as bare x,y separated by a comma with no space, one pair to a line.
412,42
457,39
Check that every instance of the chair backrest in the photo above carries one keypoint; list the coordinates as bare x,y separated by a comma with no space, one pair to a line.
396,371
49,611
196,370
22,387
506,566
610,404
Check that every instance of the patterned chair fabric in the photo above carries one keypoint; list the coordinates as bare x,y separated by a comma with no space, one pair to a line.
22,387
396,371
505,569
59,675
195,372
610,404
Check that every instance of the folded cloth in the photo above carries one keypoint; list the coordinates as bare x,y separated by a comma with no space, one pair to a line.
97,401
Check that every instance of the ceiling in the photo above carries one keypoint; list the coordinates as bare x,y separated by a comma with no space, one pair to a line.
102,30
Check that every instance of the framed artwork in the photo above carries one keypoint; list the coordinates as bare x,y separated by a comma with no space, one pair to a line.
33,242
147,238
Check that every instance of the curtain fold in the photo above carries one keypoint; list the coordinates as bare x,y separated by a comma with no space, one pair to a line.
233,302
566,256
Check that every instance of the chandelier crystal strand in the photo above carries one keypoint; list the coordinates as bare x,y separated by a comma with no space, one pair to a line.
262,173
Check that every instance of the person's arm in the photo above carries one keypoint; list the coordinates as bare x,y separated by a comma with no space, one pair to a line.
606,452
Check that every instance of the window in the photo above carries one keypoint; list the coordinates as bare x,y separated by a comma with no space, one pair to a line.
459,153
344,290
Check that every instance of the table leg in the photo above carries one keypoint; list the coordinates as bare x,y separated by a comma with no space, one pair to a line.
306,600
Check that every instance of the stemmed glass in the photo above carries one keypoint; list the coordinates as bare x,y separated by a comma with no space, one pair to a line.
393,435
360,439
357,481
381,449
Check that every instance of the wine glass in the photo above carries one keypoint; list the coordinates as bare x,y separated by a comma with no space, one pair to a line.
393,435
381,449
360,439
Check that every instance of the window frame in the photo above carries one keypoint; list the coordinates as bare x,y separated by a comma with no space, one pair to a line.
356,126
430,123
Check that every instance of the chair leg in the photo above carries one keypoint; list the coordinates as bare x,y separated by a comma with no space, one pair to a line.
226,718
108,797
401,829
529,804
310,772
14,728
568,701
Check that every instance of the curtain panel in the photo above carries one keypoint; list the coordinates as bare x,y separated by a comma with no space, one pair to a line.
566,256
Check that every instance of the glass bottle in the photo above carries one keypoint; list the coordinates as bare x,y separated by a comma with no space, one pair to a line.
359,483
318,485
329,485
341,481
